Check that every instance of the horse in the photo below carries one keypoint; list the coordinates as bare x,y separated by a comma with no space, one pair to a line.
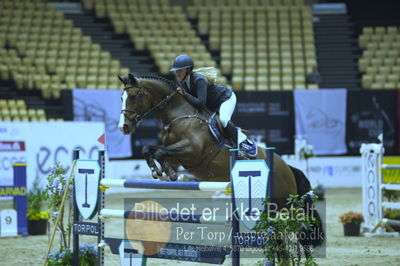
187,140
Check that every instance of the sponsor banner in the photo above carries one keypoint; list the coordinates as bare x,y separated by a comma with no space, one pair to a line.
330,171
268,116
103,106
12,149
390,175
47,143
370,113
321,119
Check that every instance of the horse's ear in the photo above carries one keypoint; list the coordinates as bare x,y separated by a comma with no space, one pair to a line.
121,79
134,80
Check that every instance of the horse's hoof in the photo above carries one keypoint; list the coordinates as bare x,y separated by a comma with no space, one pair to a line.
174,177
155,175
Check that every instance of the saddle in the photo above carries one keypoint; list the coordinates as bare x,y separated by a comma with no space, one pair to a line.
247,148
218,132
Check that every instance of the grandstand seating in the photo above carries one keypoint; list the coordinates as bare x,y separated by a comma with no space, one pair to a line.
264,45
16,110
155,26
43,50
380,61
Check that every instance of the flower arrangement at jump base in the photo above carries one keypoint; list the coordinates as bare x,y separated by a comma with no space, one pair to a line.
58,185
87,256
37,217
351,223
282,232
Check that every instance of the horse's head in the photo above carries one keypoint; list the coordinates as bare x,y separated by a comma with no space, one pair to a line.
135,102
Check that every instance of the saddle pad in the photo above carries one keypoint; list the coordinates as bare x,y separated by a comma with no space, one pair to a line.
216,132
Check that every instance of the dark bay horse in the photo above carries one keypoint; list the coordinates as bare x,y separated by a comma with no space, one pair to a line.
186,139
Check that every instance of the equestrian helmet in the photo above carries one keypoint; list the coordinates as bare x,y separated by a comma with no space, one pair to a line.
182,61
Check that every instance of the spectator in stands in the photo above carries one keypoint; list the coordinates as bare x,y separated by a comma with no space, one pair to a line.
198,86
314,77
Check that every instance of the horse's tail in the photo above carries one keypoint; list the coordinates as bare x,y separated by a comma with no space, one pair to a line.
314,236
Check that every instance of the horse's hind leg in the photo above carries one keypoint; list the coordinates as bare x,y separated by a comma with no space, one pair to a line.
169,171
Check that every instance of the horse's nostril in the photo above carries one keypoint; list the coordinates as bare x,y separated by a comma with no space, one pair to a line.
126,128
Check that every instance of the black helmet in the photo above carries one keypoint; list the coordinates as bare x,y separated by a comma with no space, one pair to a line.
182,61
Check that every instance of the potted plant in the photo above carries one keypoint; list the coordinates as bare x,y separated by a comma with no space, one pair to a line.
351,223
37,217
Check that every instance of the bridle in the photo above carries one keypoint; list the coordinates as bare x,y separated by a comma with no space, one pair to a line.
139,116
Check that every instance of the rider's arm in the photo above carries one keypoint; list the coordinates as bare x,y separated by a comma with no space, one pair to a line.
201,92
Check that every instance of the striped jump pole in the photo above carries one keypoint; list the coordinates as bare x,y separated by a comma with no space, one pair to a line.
391,166
154,184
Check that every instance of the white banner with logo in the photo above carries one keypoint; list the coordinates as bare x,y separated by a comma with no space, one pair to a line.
321,119
104,106
45,144
12,149
330,171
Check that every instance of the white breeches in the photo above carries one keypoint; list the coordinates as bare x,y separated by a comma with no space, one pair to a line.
226,110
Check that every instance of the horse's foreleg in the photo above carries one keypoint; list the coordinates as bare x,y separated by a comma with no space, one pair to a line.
148,153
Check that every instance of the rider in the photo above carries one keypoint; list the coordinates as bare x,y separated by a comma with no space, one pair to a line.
202,92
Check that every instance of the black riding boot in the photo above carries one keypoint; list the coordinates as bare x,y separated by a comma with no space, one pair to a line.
247,146
232,132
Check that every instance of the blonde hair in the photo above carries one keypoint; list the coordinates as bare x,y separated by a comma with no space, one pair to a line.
211,73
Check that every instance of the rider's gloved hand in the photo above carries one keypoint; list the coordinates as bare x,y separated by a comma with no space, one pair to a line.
182,87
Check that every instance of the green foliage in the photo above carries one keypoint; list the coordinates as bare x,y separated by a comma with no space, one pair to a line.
36,200
306,152
56,185
281,230
34,215
392,214
391,195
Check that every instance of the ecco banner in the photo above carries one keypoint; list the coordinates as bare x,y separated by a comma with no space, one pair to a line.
42,144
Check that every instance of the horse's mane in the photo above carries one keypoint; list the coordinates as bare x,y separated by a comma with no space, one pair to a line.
171,84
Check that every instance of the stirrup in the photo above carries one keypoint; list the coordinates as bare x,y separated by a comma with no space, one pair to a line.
249,148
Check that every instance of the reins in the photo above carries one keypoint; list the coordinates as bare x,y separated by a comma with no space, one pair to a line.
139,117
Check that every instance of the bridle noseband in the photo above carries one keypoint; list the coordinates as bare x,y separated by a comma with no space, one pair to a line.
139,116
